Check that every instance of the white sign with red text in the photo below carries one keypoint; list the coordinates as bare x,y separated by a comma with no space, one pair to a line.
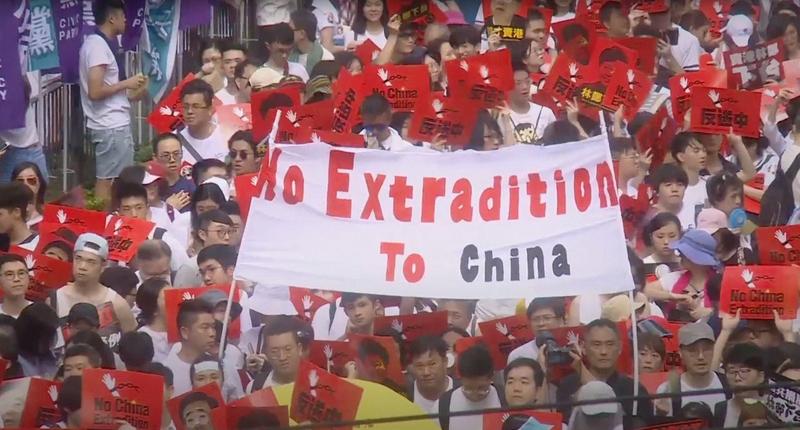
464,224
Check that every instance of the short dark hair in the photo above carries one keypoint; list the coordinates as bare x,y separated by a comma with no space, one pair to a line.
121,279
427,343
199,86
225,255
147,298
464,34
680,142
231,45
102,9
15,195
161,138
352,297
188,311
136,349
246,136
216,215
69,396
557,304
279,33
659,221
126,190
538,373
374,105
202,166
159,369
718,185
194,397
475,362
232,208
203,358
652,341
742,7
82,349
746,354
603,323
668,173
304,19
280,325
9,258
535,14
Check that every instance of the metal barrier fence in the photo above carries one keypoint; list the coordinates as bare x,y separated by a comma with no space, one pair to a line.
59,118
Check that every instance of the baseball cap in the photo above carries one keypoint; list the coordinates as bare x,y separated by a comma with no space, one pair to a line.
739,28
84,312
694,332
698,246
711,219
222,184
215,297
153,172
93,244
264,77
597,390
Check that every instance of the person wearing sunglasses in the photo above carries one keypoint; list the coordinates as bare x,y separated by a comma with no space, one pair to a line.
243,154
30,174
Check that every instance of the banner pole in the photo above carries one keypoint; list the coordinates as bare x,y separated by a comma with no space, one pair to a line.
635,336
225,320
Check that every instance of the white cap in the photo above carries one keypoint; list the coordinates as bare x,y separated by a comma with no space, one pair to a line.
222,184
739,28
597,390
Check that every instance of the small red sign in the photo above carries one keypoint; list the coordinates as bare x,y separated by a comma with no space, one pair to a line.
305,302
168,114
681,86
77,220
646,48
483,78
778,246
656,136
40,409
628,87
235,117
112,395
348,93
504,335
331,355
367,51
319,396
47,274
752,66
246,190
261,398
378,360
412,327
403,86
718,110
124,235
265,104
758,290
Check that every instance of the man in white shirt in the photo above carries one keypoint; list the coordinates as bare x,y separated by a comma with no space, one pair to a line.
429,369
232,55
376,115
476,391
282,350
14,282
545,313
528,120
106,95
196,327
684,45
202,137
690,155
279,40
308,51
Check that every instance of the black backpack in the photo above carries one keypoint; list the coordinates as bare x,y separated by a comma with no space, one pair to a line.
777,204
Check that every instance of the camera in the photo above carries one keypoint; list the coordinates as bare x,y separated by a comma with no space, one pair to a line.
556,355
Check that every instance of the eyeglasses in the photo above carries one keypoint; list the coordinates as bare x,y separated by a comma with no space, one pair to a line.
187,108
167,156
480,391
21,274
223,232
33,180
743,372
243,154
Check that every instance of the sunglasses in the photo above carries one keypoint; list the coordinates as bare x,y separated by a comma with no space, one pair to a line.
241,153
30,181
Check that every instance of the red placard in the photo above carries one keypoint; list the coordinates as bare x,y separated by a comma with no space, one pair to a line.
608,55
523,420
319,396
173,297
212,391
503,335
451,118
513,32
628,87
778,246
246,190
261,398
109,395
331,355
581,33
168,114
378,360
124,235
752,66
653,380
673,424
656,136
757,290
716,11
264,106
484,78
410,10
348,93
346,140
791,73
403,86
681,88
634,211
651,6
238,417
769,97
40,409
718,110
77,220
305,302
48,235
750,204
47,274
235,117
367,51
646,49
564,79
412,327
321,113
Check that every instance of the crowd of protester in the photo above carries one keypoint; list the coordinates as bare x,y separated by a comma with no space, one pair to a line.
114,316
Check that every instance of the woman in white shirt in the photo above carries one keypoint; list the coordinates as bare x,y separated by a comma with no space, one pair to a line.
150,300
369,23
662,230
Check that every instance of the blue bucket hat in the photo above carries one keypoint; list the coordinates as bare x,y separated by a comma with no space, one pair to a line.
697,246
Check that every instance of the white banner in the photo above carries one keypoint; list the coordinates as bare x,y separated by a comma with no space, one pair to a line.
526,221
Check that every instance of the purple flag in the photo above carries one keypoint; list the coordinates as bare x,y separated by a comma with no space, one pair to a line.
134,14
12,97
194,14
69,22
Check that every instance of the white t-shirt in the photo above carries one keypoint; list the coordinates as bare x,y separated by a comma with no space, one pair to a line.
429,406
687,52
378,39
161,347
529,126
528,350
269,12
214,146
225,96
324,328
458,402
694,199
114,111
710,399
181,382
295,69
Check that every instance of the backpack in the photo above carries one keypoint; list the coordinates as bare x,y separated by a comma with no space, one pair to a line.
777,203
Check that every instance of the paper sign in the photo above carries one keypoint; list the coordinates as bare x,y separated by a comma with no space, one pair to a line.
261,398
681,86
173,297
634,211
628,87
378,360
331,355
656,135
367,51
575,37
752,66
522,420
716,11
784,402
448,117
607,55
505,335
404,86
109,395
778,245
757,290
412,327
484,78
646,49
348,94
47,274
212,391
319,114
248,417
718,110
124,235
564,79
319,396
265,104
41,409
235,117
653,380
305,302
246,189
168,114
75,219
